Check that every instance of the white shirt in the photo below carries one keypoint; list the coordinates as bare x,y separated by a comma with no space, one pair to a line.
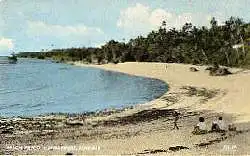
221,124
215,122
202,126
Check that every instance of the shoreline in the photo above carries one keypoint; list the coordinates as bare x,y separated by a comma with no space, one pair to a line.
145,128
201,79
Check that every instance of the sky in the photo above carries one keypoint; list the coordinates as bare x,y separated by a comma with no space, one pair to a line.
35,25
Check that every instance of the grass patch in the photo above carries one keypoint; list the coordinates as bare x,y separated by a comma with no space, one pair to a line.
170,99
200,92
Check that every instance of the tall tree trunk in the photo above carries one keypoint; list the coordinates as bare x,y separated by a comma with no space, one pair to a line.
226,54
243,48
238,56
204,54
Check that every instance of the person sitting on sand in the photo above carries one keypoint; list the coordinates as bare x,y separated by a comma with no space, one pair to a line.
201,127
218,125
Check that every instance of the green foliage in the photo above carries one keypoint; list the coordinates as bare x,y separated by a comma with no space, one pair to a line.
190,44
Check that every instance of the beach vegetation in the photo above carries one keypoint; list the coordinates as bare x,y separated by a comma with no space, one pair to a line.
200,92
227,44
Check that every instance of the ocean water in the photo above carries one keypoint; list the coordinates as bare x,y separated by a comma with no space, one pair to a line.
36,87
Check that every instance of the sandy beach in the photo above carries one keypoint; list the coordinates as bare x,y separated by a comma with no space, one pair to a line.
148,128
236,86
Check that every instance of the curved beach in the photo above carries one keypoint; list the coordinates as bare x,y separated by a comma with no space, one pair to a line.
236,87
148,128
231,101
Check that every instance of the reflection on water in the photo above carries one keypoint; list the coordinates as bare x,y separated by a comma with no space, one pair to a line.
33,87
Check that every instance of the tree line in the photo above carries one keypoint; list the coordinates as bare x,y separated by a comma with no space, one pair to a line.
226,44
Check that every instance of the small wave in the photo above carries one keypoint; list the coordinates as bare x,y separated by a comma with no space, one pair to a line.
7,92
36,105
41,104
3,91
4,62
10,106
37,88
64,68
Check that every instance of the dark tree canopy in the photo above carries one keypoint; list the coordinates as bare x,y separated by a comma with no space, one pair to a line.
190,44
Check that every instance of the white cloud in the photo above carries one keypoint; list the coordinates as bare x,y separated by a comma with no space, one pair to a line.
157,16
62,36
180,20
6,45
141,19
39,28
135,18
99,45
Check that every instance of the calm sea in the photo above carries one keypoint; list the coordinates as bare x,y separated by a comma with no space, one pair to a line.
35,87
